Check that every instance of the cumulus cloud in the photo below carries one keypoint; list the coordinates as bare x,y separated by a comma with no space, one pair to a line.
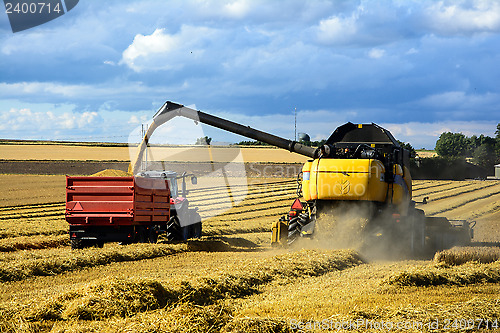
453,100
425,134
163,51
124,95
370,24
135,120
35,124
337,29
27,88
376,53
463,17
237,9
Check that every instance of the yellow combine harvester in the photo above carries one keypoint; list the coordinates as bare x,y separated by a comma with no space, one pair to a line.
360,167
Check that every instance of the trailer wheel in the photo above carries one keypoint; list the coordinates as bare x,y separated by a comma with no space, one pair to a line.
153,235
142,235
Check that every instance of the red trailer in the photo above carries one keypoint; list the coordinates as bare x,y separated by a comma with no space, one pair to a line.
116,209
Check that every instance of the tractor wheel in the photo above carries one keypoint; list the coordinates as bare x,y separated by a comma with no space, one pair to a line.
185,232
196,226
197,230
417,233
297,225
174,229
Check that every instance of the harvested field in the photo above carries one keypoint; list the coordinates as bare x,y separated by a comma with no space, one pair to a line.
472,273
462,255
175,153
231,280
79,168
23,190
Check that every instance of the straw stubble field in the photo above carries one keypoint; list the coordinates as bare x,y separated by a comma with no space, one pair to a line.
231,280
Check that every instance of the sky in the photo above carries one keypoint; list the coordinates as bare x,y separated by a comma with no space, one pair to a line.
418,68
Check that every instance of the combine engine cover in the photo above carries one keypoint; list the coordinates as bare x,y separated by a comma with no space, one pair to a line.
360,163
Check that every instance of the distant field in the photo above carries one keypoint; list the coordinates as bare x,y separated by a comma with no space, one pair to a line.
183,154
426,153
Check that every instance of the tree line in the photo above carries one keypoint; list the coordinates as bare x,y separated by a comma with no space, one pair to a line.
482,150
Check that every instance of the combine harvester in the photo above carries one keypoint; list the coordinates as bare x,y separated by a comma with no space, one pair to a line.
360,166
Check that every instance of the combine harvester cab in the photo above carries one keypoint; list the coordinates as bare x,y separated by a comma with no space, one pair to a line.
123,209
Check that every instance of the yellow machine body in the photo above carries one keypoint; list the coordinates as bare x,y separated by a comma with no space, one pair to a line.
354,180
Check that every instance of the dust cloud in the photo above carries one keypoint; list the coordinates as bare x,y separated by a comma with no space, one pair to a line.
360,227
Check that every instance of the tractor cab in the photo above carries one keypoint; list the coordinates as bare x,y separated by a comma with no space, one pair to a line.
185,222
172,178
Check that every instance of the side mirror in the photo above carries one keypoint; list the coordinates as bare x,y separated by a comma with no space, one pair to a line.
194,180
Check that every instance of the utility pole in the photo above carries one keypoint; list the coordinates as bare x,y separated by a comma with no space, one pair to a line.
295,133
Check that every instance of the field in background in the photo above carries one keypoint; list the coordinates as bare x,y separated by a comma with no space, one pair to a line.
13,151
31,189
426,153
232,280
178,153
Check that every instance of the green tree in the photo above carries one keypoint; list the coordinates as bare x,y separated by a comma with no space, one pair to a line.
203,141
475,142
452,145
252,143
313,143
485,156
409,147
497,132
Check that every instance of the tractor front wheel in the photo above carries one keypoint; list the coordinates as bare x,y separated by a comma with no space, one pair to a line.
174,229
196,226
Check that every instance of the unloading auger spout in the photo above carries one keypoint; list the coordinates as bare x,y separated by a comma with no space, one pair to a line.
170,110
